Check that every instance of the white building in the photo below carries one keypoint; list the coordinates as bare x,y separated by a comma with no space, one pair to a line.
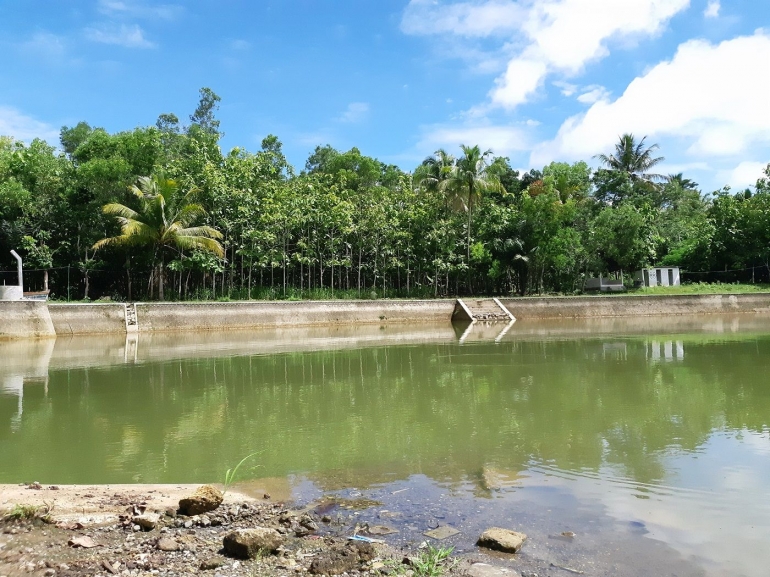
658,276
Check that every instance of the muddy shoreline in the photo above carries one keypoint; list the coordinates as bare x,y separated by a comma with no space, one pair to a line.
90,530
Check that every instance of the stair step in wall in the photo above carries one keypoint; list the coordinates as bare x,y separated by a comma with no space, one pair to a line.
484,310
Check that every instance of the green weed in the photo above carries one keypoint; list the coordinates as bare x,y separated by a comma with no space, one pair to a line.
430,562
23,512
230,473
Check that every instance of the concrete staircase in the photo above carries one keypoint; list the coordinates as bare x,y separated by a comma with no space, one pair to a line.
132,322
489,310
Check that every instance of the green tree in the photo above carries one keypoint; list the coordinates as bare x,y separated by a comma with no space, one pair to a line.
469,179
163,222
633,158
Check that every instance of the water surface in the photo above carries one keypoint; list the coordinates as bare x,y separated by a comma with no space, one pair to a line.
649,438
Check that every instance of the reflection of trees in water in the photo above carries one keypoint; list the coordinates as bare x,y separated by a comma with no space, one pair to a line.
441,410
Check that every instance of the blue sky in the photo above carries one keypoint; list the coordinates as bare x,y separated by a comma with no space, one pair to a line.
535,80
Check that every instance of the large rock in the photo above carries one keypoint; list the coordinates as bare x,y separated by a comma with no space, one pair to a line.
501,540
249,543
205,499
342,559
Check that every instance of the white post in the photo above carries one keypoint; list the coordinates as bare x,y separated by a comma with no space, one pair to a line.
18,265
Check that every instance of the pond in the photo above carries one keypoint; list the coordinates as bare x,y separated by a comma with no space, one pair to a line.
648,438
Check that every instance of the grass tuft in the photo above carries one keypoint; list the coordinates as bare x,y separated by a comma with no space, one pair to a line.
430,562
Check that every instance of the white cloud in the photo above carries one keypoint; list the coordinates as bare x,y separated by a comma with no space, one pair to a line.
745,174
593,94
45,45
567,89
139,9
567,34
128,36
470,19
22,127
712,10
546,36
699,97
355,112
503,140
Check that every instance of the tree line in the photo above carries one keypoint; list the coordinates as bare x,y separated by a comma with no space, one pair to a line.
161,212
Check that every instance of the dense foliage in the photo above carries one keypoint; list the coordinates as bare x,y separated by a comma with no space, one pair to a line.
160,211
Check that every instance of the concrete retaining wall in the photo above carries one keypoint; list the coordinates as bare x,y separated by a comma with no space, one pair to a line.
634,306
239,315
34,319
25,319
88,318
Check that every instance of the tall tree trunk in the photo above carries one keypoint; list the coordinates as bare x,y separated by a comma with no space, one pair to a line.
160,279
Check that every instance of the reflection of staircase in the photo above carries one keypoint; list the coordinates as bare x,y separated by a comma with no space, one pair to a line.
132,322
482,310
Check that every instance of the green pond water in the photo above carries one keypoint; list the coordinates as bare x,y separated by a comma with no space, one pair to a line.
648,438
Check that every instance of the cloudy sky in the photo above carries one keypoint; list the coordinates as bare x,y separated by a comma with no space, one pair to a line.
535,80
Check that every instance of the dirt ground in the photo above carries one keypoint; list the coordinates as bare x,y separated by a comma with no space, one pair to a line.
82,530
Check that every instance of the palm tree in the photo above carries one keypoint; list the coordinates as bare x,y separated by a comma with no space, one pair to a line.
163,222
471,176
684,183
633,158
434,171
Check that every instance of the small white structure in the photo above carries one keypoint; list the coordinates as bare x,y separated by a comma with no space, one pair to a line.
604,284
13,292
658,276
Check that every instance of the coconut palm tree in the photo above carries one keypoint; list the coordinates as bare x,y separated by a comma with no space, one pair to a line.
633,158
163,222
471,176
434,171
684,183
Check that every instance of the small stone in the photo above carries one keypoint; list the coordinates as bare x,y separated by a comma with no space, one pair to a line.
485,570
211,563
189,523
167,544
441,532
136,528
503,540
248,543
205,499
49,572
170,512
147,521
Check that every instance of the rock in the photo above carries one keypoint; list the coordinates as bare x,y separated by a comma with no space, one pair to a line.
381,530
170,512
342,559
167,544
307,522
503,540
484,570
205,499
147,521
248,543
211,563
83,541
441,532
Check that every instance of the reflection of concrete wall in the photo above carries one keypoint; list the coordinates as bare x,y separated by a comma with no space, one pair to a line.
629,306
33,359
224,316
20,319
88,318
